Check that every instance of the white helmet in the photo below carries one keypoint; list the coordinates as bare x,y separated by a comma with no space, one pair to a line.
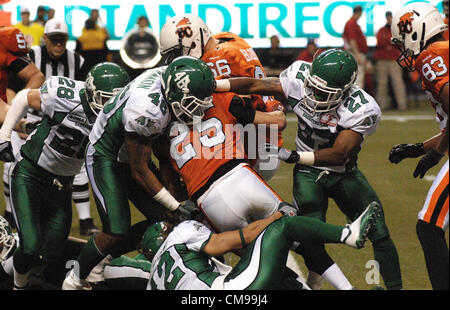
412,26
183,35
7,240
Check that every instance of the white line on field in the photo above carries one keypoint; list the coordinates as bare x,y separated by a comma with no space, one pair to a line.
396,118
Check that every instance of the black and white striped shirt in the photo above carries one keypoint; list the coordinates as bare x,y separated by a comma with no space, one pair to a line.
70,64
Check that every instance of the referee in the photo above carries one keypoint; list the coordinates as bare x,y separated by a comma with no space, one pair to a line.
54,59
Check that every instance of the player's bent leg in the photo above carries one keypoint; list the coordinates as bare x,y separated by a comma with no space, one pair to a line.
312,201
261,267
353,194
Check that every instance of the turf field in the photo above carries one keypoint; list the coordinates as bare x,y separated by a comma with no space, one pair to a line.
402,196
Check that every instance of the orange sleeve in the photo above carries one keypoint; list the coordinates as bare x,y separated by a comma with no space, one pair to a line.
432,65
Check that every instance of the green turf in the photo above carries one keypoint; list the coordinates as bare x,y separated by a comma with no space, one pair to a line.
402,197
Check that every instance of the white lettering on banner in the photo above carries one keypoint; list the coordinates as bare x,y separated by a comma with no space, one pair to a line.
294,21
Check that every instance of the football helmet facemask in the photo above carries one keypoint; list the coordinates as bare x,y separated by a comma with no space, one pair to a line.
188,84
412,27
102,82
331,73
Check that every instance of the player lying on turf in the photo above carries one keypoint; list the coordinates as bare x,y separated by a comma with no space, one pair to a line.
187,251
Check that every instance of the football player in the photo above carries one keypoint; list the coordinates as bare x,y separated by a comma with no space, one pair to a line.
334,116
118,160
228,55
190,248
205,148
52,155
417,30
14,59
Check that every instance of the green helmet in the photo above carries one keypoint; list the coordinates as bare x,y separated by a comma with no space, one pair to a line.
331,74
153,238
188,84
7,240
102,82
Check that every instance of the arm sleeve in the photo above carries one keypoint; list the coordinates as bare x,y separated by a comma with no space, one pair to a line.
292,78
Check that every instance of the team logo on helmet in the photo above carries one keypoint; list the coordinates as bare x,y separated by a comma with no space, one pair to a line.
184,29
405,23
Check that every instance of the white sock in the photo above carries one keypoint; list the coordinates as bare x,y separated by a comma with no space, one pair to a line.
84,210
336,277
8,266
20,280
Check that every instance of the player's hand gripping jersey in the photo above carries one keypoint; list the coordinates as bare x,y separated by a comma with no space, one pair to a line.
59,142
358,112
233,57
12,47
139,108
432,65
198,151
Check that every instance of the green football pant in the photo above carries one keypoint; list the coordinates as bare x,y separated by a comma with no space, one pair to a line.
113,187
43,212
352,193
263,264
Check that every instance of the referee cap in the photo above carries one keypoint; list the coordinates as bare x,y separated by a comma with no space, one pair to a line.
54,26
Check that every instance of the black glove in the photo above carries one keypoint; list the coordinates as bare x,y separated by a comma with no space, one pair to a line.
6,152
402,151
287,209
31,126
290,157
188,210
430,159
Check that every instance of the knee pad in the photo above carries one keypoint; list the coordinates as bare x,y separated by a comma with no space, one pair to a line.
380,231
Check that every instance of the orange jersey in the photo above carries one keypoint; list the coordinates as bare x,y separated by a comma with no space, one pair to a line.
12,46
233,57
198,151
432,66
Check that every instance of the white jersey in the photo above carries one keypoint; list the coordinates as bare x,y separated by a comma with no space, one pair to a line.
139,108
59,142
179,263
358,112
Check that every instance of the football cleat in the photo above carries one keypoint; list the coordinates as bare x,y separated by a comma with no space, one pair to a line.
361,227
71,283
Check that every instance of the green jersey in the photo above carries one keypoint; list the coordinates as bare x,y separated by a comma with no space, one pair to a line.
358,112
139,108
59,142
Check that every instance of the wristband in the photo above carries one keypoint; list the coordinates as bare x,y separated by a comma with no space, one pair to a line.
222,85
306,158
166,199
241,234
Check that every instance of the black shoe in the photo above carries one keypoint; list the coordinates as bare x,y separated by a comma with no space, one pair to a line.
9,217
87,227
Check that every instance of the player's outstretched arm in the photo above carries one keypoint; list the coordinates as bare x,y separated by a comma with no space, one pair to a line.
442,147
11,115
242,85
227,241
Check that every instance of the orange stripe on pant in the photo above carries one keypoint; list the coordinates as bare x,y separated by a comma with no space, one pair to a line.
434,199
